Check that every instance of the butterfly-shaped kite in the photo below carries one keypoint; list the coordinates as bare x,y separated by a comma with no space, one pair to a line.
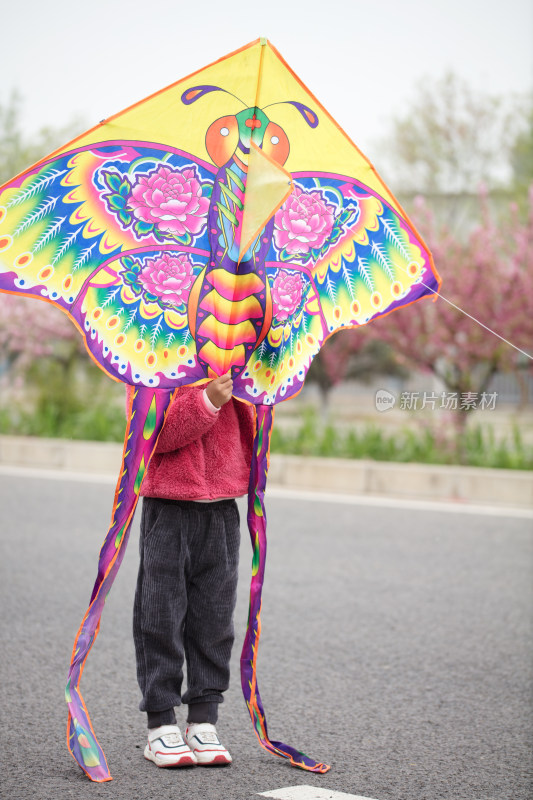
223,224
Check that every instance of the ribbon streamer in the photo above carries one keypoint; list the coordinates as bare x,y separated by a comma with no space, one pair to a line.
257,527
147,409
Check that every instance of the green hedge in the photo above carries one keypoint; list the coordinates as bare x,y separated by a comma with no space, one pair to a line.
478,446
106,421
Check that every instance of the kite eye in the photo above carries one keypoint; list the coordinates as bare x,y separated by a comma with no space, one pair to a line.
221,139
276,143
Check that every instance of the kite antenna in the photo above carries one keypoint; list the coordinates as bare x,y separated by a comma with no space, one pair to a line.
310,117
194,93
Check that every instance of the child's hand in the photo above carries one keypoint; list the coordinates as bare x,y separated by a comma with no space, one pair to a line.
219,390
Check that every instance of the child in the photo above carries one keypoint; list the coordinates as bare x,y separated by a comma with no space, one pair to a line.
189,552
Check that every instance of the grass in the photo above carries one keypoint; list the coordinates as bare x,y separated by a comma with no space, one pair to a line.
103,423
479,446
105,420
67,406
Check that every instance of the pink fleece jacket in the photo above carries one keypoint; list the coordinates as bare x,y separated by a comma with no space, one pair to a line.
201,454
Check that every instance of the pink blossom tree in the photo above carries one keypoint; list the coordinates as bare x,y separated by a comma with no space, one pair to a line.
355,354
31,331
48,384
489,275
39,349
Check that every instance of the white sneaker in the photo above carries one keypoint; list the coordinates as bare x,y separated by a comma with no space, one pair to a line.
203,740
166,748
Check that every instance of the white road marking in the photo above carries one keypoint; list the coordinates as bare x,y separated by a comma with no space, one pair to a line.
451,507
58,474
310,793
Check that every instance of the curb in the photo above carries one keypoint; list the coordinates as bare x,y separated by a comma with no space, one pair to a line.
508,488
431,482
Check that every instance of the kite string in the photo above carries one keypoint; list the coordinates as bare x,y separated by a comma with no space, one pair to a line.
490,330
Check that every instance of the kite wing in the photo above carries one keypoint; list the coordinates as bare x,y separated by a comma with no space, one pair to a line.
340,257
223,224
84,232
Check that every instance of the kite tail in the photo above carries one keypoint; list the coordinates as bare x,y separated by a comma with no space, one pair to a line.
147,408
257,527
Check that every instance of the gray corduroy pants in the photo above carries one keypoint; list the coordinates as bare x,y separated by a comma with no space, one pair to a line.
184,604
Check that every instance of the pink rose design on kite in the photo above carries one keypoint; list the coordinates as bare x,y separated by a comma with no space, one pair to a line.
287,292
303,223
171,200
168,277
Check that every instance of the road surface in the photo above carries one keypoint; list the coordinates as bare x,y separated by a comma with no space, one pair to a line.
396,645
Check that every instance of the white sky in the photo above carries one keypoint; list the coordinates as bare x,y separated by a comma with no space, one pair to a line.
361,59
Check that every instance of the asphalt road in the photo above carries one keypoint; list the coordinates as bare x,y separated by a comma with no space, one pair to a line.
396,645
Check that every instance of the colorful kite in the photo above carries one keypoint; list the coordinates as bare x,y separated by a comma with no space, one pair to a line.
223,224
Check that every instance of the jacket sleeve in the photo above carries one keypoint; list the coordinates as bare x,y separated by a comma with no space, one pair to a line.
188,418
